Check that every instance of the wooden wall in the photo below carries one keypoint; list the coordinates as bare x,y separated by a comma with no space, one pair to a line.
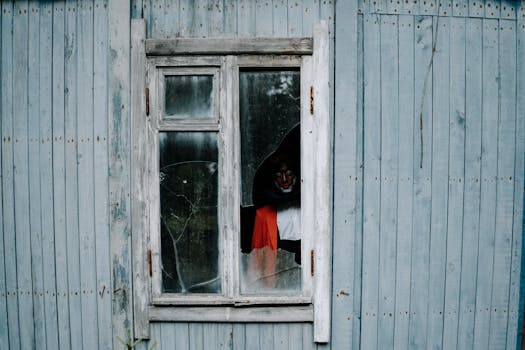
55,260
430,197
428,171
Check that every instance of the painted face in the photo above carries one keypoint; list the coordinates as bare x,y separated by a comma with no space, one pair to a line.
284,178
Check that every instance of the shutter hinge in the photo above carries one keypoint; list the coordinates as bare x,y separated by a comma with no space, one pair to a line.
311,100
149,263
312,260
147,101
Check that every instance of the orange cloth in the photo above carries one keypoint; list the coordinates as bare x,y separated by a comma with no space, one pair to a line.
265,228
264,261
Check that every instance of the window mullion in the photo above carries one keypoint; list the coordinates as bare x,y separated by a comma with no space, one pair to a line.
307,180
229,197
232,90
154,205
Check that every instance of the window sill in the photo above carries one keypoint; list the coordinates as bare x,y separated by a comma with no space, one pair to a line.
194,300
303,313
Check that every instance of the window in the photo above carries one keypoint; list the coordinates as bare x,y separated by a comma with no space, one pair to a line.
230,176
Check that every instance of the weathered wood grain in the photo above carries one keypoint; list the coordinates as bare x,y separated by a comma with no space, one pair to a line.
184,46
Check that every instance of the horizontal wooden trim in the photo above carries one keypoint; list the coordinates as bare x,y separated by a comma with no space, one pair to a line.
279,46
241,301
232,314
187,125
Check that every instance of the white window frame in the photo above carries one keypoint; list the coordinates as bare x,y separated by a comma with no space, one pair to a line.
223,58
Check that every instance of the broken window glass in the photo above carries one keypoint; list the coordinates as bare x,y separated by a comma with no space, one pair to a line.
188,207
269,104
188,96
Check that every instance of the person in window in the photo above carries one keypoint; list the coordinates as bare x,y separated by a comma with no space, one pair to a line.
276,195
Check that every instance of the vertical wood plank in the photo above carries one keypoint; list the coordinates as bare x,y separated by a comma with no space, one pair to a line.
156,18
201,23
358,190
252,336
489,138
186,16
100,154
280,336
372,178
245,18
21,173
266,336
171,18
136,9
456,182
196,336
164,17
295,18
405,180
439,178
119,166
389,130
378,6
182,336
280,18
8,219
514,335
156,335
492,8
46,175
4,340
345,174
310,14
34,202
422,187
327,13
476,8
428,7
263,18
392,7
504,184
460,8
225,335
444,7
230,18
308,344
71,174
295,334
210,333
4,328
239,336
86,186
217,19
59,185
167,335
469,253
321,121
139,207
508,9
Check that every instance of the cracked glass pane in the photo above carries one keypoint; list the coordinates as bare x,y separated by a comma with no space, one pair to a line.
188,207
269,102
188,96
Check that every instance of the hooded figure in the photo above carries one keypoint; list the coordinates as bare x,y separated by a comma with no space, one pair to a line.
277,200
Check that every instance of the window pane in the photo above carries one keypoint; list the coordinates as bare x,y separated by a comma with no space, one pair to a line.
188,96
188,208
270,155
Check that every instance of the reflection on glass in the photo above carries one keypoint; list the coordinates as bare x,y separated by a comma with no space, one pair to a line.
270,172
188,207
188,96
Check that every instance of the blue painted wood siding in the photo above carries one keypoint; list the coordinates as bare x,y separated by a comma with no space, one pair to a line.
431,203
428,171
55,262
